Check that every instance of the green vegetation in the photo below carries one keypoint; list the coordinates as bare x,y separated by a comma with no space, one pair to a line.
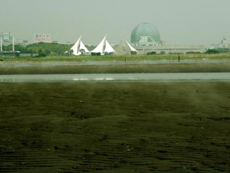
151,53
20,48
96,54
193,52
212,51
56,49
121,58
122,68
115,127
44,49
216,51
49,48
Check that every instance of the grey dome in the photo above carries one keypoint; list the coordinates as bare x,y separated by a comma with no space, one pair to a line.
145,33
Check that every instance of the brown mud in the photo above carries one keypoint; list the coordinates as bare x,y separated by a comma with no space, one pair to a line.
114,127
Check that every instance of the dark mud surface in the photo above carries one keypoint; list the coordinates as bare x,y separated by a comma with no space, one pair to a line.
115,127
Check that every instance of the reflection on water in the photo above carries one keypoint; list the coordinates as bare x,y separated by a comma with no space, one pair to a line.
115,77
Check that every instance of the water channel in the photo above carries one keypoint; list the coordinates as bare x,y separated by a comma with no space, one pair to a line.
117,77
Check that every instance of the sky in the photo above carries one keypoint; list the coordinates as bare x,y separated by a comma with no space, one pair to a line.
180,22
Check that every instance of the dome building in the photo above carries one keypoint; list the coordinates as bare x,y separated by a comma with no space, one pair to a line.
145,34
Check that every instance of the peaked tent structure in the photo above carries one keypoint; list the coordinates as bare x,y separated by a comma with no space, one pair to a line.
125,48
75,47
120,49
108,48
100,47
79,48
104,48
131,48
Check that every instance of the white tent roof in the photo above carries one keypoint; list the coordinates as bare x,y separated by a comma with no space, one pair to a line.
125,48
130,47
100,47
78,46
82,47
120,48
103,47
108,48
75,47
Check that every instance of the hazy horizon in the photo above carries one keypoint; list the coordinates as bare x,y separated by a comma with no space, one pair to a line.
180,22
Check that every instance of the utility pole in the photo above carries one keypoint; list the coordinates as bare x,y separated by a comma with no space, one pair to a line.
13,46
1,44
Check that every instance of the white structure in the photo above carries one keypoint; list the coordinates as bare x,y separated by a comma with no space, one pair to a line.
132,49
124,48
79,48
13,47
104,47
1,42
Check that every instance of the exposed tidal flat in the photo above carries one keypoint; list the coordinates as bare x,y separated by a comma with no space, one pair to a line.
116,64
105,67
115,127
222,56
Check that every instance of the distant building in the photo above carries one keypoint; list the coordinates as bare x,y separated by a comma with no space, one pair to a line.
7,38
146,38
224,43
145,34
174,49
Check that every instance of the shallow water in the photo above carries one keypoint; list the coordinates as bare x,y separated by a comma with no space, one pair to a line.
116,77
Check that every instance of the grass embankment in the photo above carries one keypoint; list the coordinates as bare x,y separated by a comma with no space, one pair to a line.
125,68
172,66
115,127
118,58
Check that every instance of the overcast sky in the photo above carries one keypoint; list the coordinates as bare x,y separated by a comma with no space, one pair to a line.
189,22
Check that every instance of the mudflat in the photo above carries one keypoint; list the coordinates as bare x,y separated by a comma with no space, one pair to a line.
115,127
57,68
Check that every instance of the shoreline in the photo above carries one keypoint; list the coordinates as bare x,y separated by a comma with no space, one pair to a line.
113,67
114,77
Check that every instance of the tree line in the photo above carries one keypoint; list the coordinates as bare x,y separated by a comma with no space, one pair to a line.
41,48
53,49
